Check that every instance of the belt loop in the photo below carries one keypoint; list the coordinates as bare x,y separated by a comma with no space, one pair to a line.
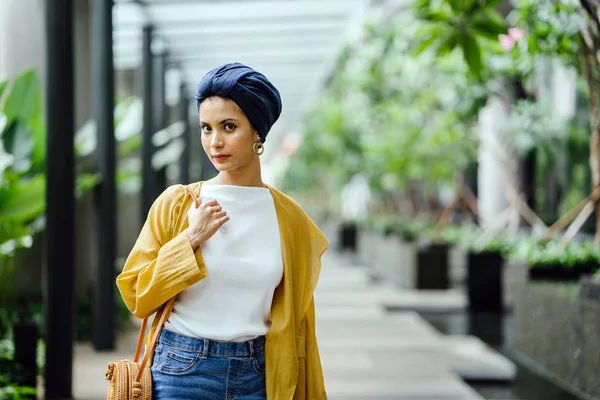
205,349
251,344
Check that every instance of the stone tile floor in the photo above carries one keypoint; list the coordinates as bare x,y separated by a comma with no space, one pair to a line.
367,353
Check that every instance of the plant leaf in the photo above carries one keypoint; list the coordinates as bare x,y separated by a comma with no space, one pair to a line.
461,5
471,53
3,86
488,23
24,202
489,4
19,142
424,45
24,99
38,156
84,182
448,44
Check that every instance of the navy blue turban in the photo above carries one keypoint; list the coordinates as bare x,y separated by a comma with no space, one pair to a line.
249,89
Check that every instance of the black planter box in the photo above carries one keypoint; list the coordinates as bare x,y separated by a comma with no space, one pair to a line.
348,236
561,272
433,267
25,337
484,282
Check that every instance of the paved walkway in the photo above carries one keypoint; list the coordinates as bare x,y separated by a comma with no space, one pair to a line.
367,354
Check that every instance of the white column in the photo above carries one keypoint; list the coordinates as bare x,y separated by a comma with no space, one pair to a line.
491,188
22,33
562,91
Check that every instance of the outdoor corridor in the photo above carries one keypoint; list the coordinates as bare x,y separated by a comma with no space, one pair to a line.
367,353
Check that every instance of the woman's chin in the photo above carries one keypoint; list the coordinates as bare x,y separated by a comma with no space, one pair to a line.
221,167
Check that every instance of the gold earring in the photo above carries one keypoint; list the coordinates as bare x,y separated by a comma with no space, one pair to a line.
258,147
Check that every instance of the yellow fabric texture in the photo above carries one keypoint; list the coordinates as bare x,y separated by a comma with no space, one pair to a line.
162,264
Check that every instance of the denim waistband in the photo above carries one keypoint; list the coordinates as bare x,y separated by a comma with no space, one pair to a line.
215,348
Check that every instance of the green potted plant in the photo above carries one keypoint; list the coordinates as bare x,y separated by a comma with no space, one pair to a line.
553,262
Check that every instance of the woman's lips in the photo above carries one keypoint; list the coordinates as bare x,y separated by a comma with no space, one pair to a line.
220,157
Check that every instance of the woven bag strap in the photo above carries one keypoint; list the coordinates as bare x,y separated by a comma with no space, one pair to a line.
150,348
140,342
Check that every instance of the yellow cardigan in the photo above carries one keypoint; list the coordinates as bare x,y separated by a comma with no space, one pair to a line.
162,264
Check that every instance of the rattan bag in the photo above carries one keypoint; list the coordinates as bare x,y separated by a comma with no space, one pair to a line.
130,380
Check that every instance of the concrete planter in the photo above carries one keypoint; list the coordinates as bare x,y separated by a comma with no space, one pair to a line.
390,258
408,264
382,248
457,258
556,329
403,263
590,288
365,249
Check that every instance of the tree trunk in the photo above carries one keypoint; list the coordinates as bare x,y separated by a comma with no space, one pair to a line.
591,73
528,181
595,168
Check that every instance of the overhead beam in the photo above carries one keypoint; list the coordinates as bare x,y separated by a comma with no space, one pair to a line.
168,12
289,59
153,2
300,55
282,77
193,30
218,21
232,44
133,61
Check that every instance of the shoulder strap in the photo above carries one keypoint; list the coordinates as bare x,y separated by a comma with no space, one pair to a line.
191,192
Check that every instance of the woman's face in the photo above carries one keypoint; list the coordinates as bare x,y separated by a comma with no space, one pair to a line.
227,135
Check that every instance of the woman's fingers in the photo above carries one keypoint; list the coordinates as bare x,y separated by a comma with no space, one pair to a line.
220,221
210,203
220,214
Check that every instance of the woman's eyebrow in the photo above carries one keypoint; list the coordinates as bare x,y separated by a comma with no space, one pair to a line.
228,120
222,122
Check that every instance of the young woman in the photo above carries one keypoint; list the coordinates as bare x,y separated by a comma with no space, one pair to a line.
243,263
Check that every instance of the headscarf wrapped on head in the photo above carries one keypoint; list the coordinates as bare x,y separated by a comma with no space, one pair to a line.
249,89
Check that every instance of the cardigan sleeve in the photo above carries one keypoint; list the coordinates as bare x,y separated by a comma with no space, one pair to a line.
162,262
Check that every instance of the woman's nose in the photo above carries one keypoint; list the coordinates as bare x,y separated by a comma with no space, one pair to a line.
216,140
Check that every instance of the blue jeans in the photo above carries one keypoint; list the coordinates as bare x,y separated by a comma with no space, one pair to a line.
189,368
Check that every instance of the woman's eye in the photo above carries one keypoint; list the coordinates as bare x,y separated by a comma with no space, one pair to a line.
205,129
229,127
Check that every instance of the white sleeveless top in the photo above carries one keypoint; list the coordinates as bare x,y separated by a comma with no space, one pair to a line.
244,264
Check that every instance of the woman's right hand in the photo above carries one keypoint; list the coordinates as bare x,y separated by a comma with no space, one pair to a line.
204,220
